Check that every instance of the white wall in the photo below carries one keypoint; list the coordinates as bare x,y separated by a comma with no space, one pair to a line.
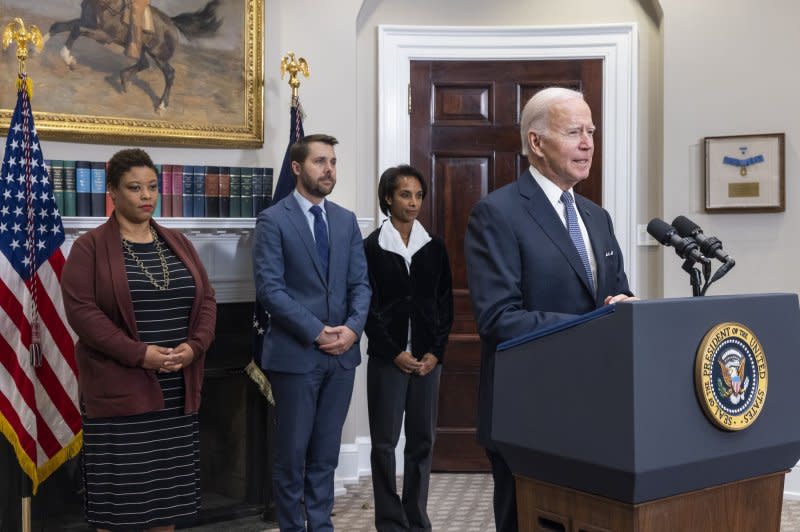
728,71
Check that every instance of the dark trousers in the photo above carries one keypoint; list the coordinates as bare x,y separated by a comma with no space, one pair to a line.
505,494
310,409
390,393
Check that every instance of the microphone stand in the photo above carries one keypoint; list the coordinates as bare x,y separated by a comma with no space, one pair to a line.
694,277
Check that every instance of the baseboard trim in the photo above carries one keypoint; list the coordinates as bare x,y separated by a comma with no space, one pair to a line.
791,485
354,462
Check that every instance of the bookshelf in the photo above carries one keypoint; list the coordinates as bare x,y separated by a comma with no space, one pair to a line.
185,191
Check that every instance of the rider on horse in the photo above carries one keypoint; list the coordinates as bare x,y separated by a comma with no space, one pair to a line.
139,18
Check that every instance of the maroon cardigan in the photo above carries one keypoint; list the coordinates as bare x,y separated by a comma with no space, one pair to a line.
99,308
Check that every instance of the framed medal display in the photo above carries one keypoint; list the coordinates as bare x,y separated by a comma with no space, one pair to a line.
745,173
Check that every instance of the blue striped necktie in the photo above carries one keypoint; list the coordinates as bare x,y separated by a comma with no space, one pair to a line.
575,234
321,237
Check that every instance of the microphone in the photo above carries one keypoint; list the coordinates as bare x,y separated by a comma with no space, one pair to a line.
709,246
686,247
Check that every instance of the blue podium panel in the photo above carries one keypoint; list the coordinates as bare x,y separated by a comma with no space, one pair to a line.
609,406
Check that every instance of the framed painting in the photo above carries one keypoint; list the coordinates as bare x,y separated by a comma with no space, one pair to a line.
745,173
172,73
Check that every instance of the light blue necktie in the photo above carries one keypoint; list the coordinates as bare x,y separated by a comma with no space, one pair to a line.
321,238
575,234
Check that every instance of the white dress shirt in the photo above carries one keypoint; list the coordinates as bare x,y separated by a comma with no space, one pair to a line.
306,205
389,239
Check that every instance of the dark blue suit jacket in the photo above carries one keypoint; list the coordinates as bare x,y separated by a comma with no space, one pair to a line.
525,273
290,285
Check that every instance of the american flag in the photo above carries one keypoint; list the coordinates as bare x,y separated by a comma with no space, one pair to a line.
38,376
286,178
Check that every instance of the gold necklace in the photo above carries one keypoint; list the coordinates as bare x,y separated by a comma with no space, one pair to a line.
161,257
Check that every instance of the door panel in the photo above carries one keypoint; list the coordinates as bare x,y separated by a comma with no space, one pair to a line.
462,105
465,139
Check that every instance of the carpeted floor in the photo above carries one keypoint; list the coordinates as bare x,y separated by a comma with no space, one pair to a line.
456,503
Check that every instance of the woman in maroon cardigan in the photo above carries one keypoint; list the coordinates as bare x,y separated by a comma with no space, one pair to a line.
139,299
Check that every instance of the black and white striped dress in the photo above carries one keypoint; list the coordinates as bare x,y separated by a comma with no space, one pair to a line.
143,471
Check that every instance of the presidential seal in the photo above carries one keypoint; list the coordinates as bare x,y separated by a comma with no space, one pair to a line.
731,376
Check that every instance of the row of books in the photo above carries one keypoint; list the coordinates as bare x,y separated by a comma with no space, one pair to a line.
184,190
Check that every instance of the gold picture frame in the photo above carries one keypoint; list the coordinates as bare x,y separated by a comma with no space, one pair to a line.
217,93
745,173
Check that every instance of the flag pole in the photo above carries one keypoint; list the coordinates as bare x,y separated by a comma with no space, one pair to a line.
16,32
26,514
293,66
27,502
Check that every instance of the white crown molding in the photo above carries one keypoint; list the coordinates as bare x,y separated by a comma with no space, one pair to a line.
615,44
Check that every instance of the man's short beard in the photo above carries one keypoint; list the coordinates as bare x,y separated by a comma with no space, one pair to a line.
313,188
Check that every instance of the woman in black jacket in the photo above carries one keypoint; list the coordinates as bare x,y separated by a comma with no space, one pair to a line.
409,319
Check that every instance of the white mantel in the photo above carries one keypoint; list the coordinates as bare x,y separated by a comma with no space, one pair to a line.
224,246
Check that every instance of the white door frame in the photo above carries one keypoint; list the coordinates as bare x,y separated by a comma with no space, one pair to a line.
615,44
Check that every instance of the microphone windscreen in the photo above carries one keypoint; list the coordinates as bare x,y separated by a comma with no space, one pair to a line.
685,226
660,230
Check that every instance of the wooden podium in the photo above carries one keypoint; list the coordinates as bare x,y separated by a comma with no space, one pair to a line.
747,505
601,424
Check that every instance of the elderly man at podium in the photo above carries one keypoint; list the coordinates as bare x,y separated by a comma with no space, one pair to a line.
538,253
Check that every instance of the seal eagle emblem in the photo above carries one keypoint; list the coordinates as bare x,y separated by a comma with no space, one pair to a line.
734,382
731,376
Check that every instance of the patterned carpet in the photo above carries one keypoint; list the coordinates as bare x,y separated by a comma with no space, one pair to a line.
457,503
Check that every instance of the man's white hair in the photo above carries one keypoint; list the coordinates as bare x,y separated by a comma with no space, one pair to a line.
536,113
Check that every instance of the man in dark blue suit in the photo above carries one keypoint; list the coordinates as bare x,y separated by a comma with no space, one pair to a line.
537,253
311,276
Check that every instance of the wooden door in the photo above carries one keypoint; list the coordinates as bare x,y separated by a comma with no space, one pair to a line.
465,139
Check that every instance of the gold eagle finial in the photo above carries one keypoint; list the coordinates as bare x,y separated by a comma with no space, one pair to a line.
15,31
293,67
